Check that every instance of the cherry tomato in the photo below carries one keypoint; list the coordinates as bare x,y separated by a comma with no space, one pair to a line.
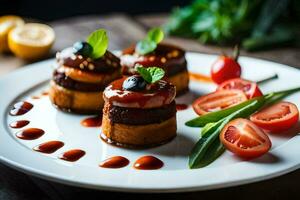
250,88
218,100
278,117
243,138
225,68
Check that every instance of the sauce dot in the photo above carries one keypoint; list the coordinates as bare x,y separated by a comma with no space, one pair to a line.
72,155
148,163
19,124
92,121
49,147
115,162
30,133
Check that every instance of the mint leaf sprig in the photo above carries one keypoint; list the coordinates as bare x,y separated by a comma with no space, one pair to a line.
99,42
150,74
149,43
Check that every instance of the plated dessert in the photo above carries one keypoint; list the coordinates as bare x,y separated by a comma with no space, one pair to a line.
139,110
82,73
150,52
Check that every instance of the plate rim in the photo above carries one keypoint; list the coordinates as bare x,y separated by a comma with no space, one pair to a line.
55,178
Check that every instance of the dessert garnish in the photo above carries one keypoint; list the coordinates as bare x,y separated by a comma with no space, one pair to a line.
152,52
95,46
149,43
140,110
82,72
146,76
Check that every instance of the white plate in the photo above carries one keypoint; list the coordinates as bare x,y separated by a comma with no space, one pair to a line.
175,176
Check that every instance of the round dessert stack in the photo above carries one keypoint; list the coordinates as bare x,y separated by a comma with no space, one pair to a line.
168,57
150,52
78,81
138,114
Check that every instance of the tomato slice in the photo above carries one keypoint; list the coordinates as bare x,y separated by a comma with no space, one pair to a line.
218,100
243,138
250,88
278,117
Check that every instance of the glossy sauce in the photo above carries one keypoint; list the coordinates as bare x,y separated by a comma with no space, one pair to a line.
160,90
72,155
92,121
106,63
115,162
148,163
166,56
181,107
35,97
30,133
45,93
19,124
20,108
49,147
200,77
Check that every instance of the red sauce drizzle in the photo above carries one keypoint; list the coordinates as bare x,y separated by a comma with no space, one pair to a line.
49,147
200,77
159,89
181,107
92,121
72,155
45,93
148,163
21,108
115,162
35,97
30,133
19,124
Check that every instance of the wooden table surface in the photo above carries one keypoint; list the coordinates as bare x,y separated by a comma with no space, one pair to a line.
123,31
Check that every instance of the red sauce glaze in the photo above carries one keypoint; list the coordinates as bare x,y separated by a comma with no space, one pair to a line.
92,121
68,58
72,155
35,97
20,108
181,107
115,92
49,147
148,163
45,93
166,56
115,162
200,77
30,133
19,124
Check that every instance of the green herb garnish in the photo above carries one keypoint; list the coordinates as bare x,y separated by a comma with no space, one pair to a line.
208,148
99,42
149,43
256,24
151,74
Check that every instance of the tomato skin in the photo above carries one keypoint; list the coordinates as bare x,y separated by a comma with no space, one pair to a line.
225,68
218,100
286,116
250,88
243,138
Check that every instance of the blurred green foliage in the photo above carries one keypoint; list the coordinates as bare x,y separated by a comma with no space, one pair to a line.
256,24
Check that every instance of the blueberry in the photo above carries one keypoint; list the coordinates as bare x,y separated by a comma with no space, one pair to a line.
134,83
82,48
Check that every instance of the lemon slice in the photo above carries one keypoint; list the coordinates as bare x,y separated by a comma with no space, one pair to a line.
7,23
31,41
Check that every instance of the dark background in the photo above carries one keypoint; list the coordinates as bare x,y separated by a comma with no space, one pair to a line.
49,10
